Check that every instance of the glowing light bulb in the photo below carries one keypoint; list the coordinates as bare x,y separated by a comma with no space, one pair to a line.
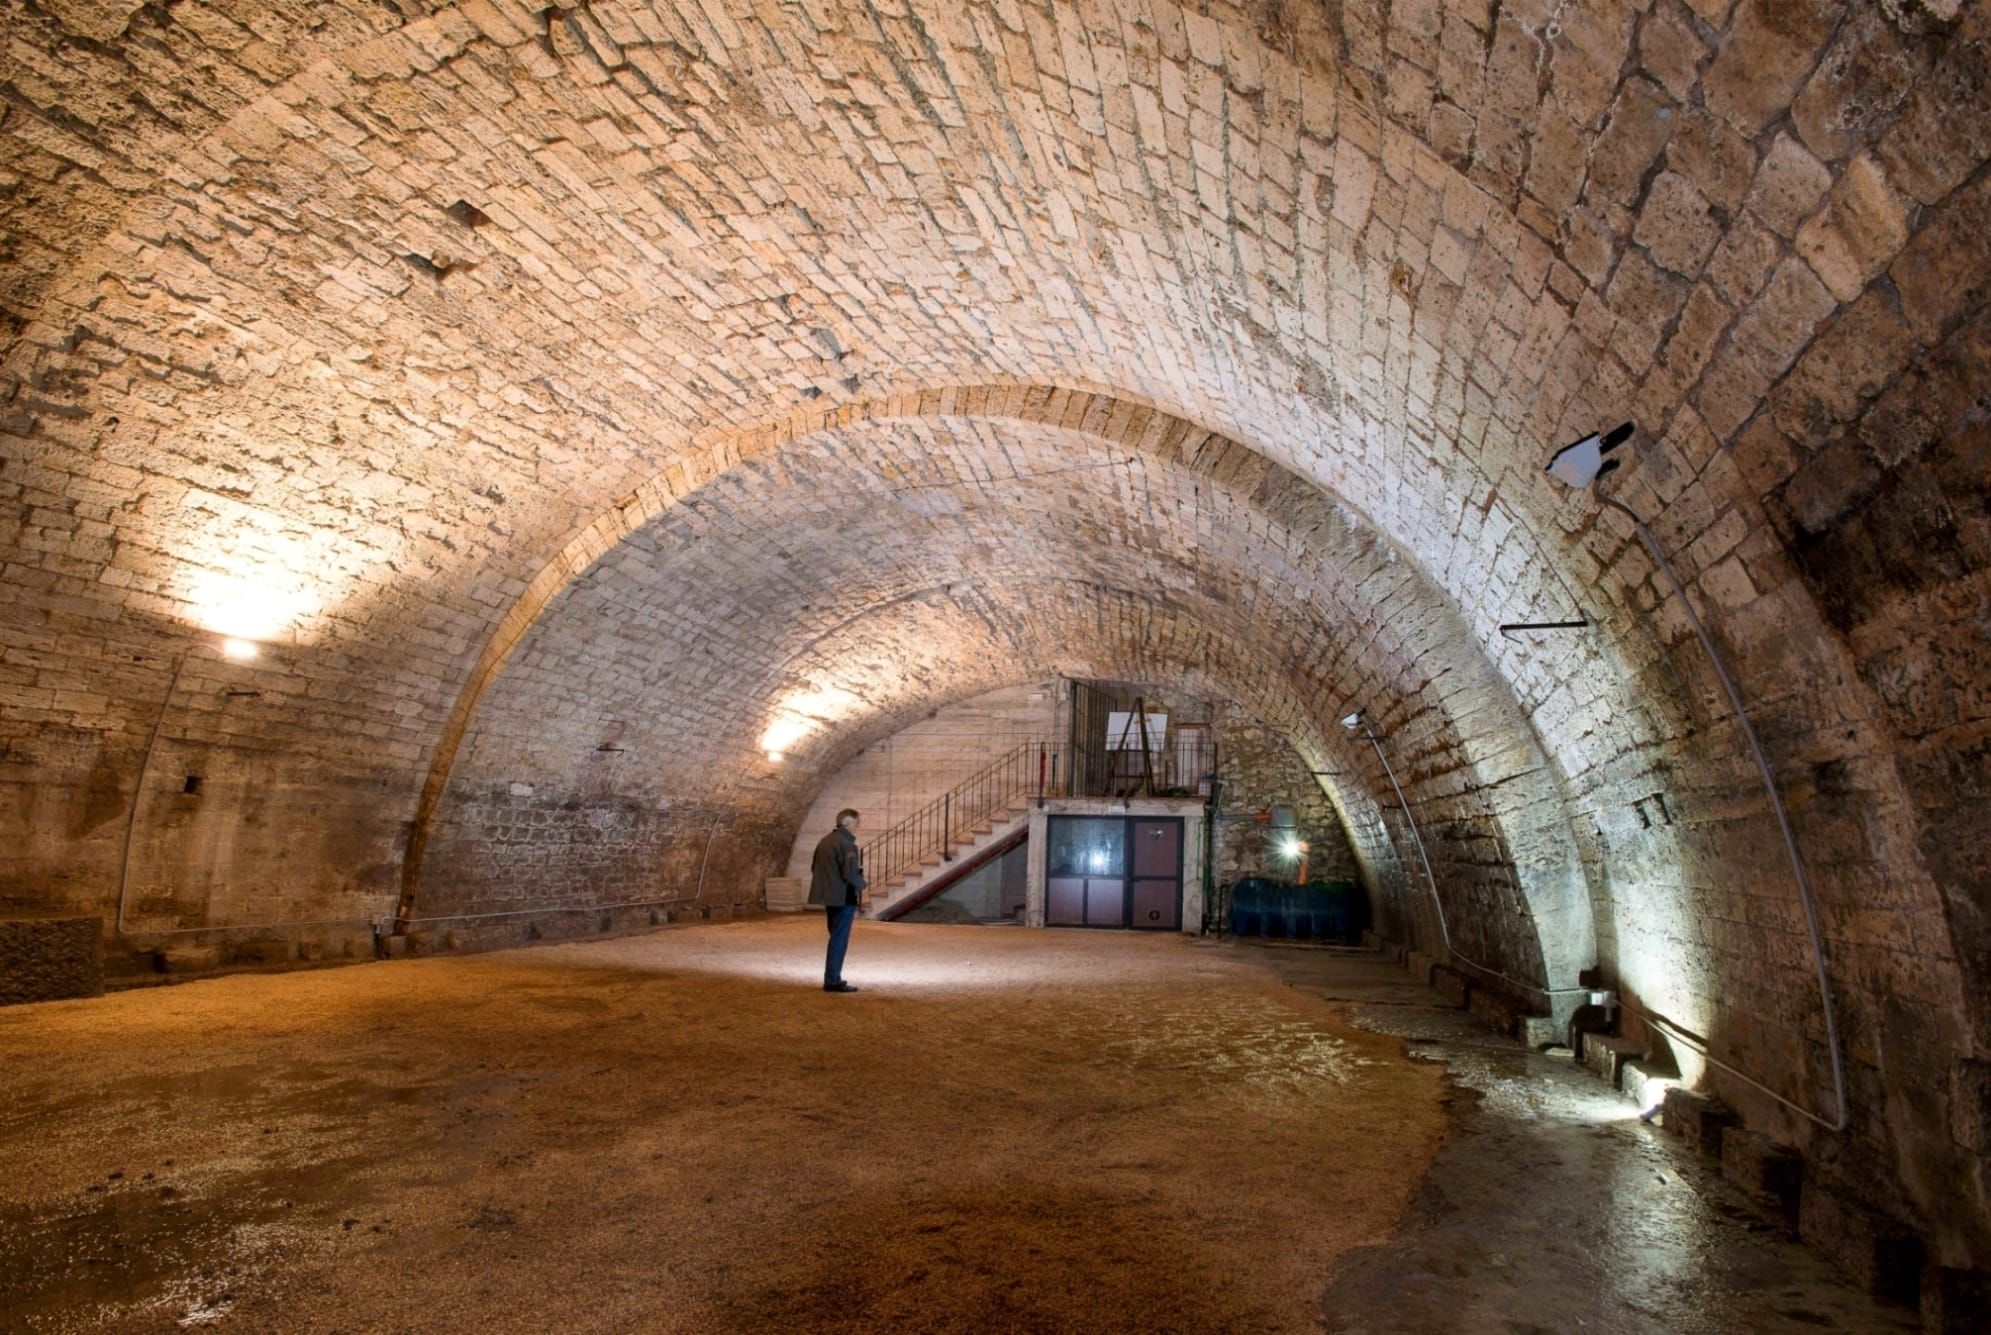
240,650
775,757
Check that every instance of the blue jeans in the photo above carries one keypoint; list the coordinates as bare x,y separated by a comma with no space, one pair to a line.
841,916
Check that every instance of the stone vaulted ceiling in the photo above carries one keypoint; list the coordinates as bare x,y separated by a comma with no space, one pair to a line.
510,370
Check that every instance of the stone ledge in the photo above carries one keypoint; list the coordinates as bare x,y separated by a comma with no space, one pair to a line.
1646,1083
1541,1031
50,959
1771,1173
1494,1011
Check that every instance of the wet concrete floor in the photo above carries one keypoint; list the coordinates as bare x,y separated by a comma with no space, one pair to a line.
1007,1130
1552,1207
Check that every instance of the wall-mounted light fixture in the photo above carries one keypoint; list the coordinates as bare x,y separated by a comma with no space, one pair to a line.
1581,465
1582,462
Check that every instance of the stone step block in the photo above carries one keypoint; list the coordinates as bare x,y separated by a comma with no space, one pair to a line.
1494,1011
1769,1172
1450,985
1606,1055
1697,1119
1646,1083
1540,1031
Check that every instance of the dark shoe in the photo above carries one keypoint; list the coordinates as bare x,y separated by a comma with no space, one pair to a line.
838,987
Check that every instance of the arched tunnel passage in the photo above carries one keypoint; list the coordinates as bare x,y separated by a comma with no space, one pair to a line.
821,532
412,413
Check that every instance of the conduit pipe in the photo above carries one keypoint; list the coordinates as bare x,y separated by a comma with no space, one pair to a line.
131,827
138,793
1444,931
556,908
1840,1120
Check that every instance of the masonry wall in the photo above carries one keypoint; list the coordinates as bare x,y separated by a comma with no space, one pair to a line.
1259,771
404,316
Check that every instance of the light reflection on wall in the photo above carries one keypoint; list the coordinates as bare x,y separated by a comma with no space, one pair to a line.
256,607
1657,966
802,714
257,576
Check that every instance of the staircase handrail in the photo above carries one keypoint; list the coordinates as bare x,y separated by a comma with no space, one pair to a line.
940,825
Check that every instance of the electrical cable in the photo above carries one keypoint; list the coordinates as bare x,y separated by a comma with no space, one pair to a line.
138,793
1444,931
1810,906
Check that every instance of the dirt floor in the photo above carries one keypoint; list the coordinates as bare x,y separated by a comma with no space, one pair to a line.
1006,1130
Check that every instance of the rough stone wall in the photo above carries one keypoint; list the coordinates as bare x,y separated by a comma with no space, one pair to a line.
48,959
1259,770
403,315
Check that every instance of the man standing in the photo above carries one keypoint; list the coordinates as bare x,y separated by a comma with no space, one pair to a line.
836,881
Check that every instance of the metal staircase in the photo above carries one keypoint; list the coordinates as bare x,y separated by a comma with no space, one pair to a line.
904,858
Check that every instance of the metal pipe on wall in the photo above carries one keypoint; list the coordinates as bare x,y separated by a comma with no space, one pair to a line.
1805,899
1444,930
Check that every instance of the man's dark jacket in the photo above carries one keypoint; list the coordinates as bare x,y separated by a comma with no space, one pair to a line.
836,873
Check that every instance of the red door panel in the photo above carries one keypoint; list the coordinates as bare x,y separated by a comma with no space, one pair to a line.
1157,848
1105,902
1067,902
1158,904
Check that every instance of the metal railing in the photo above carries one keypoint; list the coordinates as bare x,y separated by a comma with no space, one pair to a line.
1181,767
942,825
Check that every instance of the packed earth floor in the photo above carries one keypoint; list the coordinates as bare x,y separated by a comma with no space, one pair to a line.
1005,1130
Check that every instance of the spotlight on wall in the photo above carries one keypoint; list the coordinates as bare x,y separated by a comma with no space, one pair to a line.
1291,849
1584,461
239,650
775,757
1352,721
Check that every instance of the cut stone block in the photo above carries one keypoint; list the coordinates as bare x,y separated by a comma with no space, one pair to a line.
48,959
1450,984
1420,965
1874,1251
1492,1010
1770,1172
1955,1301
263,952
1540,1031
1646,1083
189,957
1607,1055
1697,1120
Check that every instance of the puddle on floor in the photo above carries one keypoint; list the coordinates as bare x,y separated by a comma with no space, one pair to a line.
162,1246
